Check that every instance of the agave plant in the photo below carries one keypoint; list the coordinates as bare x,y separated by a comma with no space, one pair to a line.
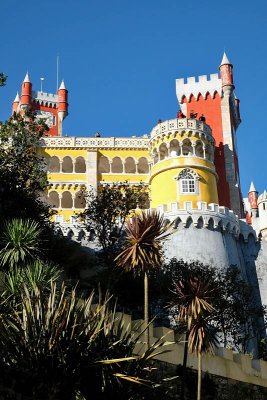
145,233
56,346
19,242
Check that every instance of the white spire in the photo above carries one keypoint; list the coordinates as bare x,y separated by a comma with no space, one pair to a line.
27,78
225,59
62,86
17,99
252,188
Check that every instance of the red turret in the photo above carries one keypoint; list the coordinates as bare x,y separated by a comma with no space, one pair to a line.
253,200
226,70
15,104
26,93
62,106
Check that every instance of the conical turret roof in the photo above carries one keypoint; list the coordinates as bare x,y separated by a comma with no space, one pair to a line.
27,78
252,188
62,86
17,99
225,59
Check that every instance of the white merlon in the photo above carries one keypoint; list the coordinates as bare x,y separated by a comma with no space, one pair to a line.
27,78
225,60
62,86
42,96
17,99
202,86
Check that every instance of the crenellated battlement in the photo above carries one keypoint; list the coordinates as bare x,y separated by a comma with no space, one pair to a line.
210,216
198,85
42,96
225,362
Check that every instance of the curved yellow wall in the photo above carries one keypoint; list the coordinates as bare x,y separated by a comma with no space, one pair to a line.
165,189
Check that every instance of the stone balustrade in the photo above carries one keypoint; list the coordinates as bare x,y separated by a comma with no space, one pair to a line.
173,125
95,142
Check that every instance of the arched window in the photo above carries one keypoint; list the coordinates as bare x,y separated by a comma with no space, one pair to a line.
174,148
209,153
187,148
80,166
163,151
155,156
116,166
103,165
66,200
188,181
199,149
81,235
130,167
67,165
54,165
142,166
53,199
79,201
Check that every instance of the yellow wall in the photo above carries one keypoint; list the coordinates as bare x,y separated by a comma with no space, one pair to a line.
166,189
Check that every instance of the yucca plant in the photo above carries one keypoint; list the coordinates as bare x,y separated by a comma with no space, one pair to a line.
55,346
37,274
192,298
142,252
19,242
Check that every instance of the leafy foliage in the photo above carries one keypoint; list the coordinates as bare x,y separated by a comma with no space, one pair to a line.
237,314
106,213
20,242
56,346
38,274
3,79
22,171
143,244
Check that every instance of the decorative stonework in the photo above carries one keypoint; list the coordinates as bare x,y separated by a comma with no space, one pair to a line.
172,126
95,143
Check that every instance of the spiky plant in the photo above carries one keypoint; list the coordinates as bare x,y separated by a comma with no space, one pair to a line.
38,273
192,298
55,346
19,242
145,233
201,340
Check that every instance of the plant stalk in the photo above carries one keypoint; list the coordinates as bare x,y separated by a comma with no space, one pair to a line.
199,377
146,310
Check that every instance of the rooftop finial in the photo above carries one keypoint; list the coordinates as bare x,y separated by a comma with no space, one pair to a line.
27,78
225,59
62,86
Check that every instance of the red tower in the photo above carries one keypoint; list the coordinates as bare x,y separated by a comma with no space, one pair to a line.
215,98
51,107
26,93
253,201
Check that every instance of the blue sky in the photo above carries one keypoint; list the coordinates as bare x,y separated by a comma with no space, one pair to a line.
120,59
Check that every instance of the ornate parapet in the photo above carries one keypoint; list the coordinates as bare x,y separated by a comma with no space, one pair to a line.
95,143
172,126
